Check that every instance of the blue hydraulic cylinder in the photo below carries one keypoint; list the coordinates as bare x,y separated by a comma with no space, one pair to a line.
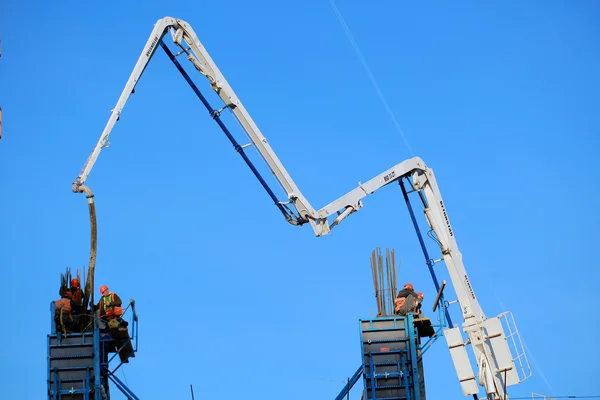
215,114
428,259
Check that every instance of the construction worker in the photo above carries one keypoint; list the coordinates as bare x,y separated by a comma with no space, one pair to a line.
109,305
77,298
63,316
418,303
405,300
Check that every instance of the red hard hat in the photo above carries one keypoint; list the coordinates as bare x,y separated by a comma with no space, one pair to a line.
75,282
409,286
103,288
420,295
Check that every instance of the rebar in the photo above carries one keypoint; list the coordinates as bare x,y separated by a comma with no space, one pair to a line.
384,280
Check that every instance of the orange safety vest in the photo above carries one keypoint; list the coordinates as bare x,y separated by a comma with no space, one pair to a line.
77,295
398,303
64,305
111,310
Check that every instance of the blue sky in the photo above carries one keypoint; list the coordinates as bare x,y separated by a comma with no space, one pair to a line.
501,99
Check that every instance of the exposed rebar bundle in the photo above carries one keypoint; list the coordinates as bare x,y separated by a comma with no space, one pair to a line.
65,281
384,280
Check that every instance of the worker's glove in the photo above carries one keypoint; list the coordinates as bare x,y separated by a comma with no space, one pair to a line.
108,304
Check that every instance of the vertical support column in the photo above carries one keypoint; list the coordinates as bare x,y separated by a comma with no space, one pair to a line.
49,380
414,366
373,380
87,385
405,376
97,370
55,393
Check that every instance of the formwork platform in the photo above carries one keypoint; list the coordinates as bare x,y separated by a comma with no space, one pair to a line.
79,363
392,368
74,366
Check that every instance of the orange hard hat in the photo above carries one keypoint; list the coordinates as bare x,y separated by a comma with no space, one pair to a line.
103,289
409,286
420,295
75,282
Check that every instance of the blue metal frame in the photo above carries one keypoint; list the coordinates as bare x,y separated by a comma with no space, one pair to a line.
413,344
122,387
58,394
408,369
97,370
350,384
99,365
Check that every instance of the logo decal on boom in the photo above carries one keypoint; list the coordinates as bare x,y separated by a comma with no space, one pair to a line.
446,217
470,288
154,41
389,176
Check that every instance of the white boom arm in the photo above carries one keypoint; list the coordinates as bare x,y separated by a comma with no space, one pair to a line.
495,364
184,36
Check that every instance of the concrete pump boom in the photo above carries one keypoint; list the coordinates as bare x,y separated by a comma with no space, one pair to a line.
496,366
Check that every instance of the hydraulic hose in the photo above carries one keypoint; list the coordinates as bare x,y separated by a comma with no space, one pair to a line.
89,284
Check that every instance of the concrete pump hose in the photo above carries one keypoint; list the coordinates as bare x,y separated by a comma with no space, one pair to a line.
89,285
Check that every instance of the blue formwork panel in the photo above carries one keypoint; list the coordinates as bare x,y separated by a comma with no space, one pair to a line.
78,362
392,369
73,366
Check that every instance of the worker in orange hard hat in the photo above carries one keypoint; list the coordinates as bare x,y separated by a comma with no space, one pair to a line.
405,299
77,298
109,305
63,316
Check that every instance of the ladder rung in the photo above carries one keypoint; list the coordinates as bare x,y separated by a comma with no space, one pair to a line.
390,376
389,387
67,346
369,341
83,368
392,398
377,353
71,357
71,380
68,391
